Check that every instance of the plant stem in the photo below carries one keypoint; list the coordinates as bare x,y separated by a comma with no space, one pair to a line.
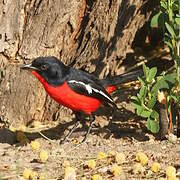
170,11
170,14
178,52
178,56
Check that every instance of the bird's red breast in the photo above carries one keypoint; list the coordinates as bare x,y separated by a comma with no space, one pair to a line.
64,95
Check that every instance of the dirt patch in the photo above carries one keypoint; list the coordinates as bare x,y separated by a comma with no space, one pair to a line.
14,159
125,133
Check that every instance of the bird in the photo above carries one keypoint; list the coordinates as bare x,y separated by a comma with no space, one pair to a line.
76,89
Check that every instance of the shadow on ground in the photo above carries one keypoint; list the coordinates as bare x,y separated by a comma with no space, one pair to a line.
124,123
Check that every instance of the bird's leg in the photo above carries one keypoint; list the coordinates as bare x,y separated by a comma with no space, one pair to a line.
77,115
89,129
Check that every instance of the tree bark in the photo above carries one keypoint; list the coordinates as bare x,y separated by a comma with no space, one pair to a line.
94,35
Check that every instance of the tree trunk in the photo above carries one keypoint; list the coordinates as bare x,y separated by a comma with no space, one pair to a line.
94,35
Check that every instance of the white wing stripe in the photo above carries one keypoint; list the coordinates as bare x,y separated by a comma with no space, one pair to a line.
90,89
87,86
100,92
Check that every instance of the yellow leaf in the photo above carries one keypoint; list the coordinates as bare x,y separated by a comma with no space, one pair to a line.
155,167
35,145
101,155
142,158
173,178
97,177
27,173
171,172
34,175
91,164
116,170
42,176
43,155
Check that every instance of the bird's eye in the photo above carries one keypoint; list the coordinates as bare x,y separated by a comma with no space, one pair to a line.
44,67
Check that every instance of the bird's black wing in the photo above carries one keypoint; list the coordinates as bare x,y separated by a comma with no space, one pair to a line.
88,85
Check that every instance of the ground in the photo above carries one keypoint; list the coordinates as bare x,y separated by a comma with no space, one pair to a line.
126,134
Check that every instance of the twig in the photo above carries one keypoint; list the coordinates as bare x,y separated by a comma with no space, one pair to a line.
74,157
45,136
74,147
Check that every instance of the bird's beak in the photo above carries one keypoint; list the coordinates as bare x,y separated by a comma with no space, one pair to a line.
29,67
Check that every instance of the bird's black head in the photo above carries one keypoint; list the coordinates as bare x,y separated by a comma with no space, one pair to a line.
49,68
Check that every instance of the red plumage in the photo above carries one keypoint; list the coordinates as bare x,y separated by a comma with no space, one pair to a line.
64,95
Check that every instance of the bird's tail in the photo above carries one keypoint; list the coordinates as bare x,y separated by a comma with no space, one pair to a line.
111,83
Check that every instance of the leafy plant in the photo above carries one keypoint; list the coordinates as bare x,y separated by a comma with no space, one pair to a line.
168,18
146,99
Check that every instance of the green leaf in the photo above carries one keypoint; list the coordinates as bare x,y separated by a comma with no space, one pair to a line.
168,40
140,110
151,102
154,20
175,6
136,106
155,115
134,98
145,114
152,74
170,78
152,125
177,20
161,84
148,125
167,36
135,102
145,70
164,4
178,60
142,81
142,93
158,20
169,44
174,1
170,30
174,97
